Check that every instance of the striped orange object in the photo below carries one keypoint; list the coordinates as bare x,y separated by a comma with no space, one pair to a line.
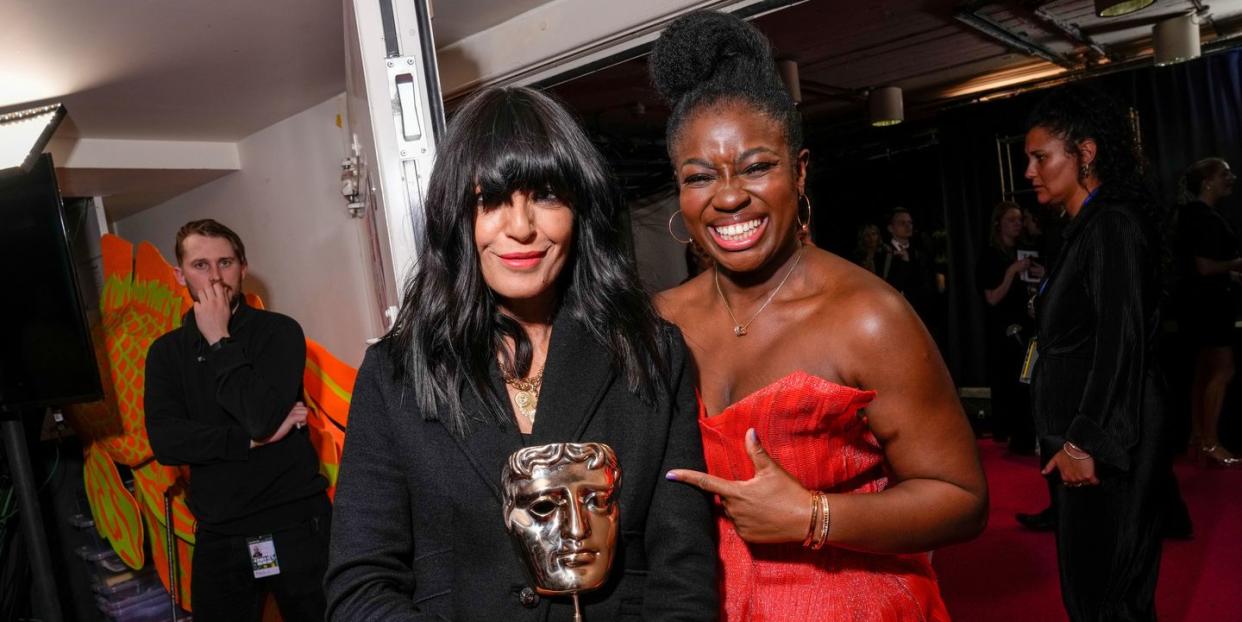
115,511
328,386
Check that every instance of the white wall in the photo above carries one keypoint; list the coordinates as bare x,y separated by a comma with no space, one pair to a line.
308,258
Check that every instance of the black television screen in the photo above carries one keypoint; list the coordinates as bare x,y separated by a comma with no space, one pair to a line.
46,357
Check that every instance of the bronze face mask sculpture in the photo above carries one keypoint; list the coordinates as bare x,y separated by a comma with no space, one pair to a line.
560,508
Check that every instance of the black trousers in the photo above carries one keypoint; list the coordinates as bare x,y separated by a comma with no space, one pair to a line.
1108,541
223,587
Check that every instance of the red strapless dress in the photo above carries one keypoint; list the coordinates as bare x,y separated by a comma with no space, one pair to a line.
813,429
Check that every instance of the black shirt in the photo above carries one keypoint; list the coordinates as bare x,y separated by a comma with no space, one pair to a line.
1012,309
203,407
914,278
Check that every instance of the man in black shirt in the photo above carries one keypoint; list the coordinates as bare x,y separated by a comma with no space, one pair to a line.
221,396
907,266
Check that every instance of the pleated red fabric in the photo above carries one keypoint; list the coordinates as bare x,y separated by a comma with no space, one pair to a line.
814,430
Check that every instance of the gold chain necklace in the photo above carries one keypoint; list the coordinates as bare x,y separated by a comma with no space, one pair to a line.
527,397
739,329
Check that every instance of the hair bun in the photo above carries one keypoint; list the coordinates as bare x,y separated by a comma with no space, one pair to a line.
706,46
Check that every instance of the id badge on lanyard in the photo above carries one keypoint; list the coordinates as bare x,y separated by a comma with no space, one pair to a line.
263,556
1028,362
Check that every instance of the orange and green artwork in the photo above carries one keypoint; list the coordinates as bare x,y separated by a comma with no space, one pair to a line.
142,300
114,508
327,385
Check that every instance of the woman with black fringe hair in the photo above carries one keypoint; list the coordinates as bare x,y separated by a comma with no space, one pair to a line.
1098,393
524,324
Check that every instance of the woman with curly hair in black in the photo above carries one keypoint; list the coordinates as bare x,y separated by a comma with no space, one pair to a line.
1098,393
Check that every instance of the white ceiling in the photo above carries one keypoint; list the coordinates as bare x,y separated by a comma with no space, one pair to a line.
219,70
453,20
210,70
925,47
184,70
216,70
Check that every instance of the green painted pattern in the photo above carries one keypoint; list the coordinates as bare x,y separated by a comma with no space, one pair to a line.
329,471
156,296
328,382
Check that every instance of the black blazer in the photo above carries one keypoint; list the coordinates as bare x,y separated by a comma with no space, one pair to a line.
417,529
1096,382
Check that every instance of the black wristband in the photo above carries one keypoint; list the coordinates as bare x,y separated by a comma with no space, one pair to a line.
215,347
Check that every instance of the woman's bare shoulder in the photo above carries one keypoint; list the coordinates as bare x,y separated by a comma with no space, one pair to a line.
863,325
856,305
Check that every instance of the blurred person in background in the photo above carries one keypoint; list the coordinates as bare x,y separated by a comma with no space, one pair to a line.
1210,265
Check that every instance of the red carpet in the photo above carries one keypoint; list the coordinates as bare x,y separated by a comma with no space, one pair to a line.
1009,574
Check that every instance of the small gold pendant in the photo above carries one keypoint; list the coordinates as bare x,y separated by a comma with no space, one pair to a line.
526,402
739,330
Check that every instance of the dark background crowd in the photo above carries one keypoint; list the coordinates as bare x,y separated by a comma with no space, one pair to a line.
944,172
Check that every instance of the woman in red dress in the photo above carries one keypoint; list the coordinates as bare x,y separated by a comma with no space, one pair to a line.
834,439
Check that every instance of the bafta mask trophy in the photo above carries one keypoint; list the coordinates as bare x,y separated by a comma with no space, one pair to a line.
560,504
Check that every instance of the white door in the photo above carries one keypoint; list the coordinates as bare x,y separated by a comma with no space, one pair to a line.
395,115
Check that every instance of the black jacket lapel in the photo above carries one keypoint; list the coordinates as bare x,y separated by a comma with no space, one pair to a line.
576,375
487,445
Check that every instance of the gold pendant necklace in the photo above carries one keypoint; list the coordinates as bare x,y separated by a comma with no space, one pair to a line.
739,329
526,397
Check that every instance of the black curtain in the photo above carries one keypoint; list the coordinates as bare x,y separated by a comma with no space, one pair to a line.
1187,112
857,179
972,173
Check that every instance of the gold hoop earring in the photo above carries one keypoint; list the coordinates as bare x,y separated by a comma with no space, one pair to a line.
674,235
804,225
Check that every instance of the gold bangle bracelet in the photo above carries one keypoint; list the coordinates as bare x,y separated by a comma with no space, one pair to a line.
810,530
825,511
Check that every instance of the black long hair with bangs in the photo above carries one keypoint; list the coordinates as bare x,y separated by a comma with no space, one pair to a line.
450,331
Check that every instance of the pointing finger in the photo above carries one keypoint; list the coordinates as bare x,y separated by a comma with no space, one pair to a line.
700,480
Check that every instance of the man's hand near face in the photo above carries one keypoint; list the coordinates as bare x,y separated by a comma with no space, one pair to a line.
212,311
